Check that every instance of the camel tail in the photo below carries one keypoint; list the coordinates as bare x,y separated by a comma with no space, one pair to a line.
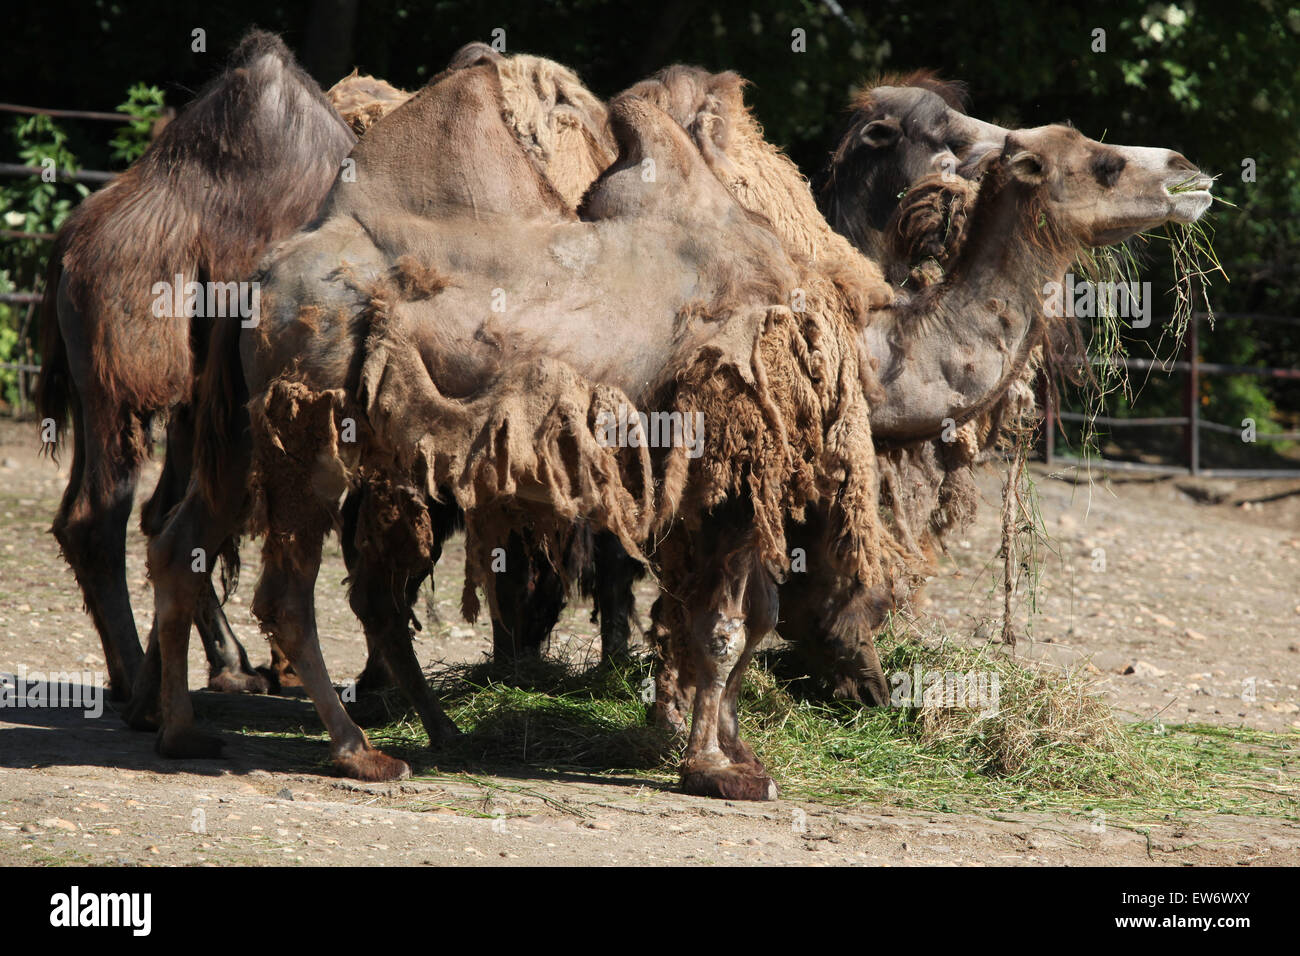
54,386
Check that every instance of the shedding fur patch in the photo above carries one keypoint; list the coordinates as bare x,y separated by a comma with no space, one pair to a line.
928,228
557,120
363,100
523,450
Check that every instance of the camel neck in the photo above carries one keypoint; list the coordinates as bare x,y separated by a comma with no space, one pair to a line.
947,354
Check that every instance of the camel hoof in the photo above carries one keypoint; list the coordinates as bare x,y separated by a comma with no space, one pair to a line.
189,742
732,782
444,733
142,715
287,678
237,682
271,676
373,766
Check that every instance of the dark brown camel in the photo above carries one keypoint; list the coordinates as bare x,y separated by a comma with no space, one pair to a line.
902,130
245,164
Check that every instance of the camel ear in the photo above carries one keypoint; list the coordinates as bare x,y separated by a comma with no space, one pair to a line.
881,133
1028,167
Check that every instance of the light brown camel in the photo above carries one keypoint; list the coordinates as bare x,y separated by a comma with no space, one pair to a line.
955,351
668,296
698,104
245,164
919,121
963,344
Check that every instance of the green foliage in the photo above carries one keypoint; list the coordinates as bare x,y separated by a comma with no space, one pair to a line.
145,104
30,204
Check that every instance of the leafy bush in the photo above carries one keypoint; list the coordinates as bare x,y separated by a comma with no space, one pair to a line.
34,204
145,104
30,204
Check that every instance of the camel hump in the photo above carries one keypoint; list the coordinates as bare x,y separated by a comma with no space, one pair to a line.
703,103
256,44
658,169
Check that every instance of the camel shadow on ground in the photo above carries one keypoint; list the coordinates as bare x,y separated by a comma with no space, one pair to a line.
282,735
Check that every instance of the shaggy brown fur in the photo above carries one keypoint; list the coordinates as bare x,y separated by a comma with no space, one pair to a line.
711,108
502,413
926,231
364,100
243,165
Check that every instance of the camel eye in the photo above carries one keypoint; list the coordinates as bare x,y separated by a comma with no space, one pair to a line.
879,133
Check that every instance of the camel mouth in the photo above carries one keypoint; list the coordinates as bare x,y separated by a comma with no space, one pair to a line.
1190,197
1199,183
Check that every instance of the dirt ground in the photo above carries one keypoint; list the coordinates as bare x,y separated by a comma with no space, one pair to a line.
1191,587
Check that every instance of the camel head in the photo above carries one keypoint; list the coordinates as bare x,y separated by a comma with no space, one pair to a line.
1101,194
900,133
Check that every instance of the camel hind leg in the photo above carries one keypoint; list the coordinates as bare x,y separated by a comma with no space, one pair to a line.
229,670
90,526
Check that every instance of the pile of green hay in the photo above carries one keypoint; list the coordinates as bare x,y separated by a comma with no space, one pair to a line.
1050,742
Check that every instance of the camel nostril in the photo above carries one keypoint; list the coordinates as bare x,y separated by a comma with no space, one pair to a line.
1178,161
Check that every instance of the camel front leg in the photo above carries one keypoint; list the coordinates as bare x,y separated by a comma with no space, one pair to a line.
724,631
285,606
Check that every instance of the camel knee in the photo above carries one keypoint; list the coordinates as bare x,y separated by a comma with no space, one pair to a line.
282,603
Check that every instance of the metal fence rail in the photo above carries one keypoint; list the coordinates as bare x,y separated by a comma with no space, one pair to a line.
66,114
1190,421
